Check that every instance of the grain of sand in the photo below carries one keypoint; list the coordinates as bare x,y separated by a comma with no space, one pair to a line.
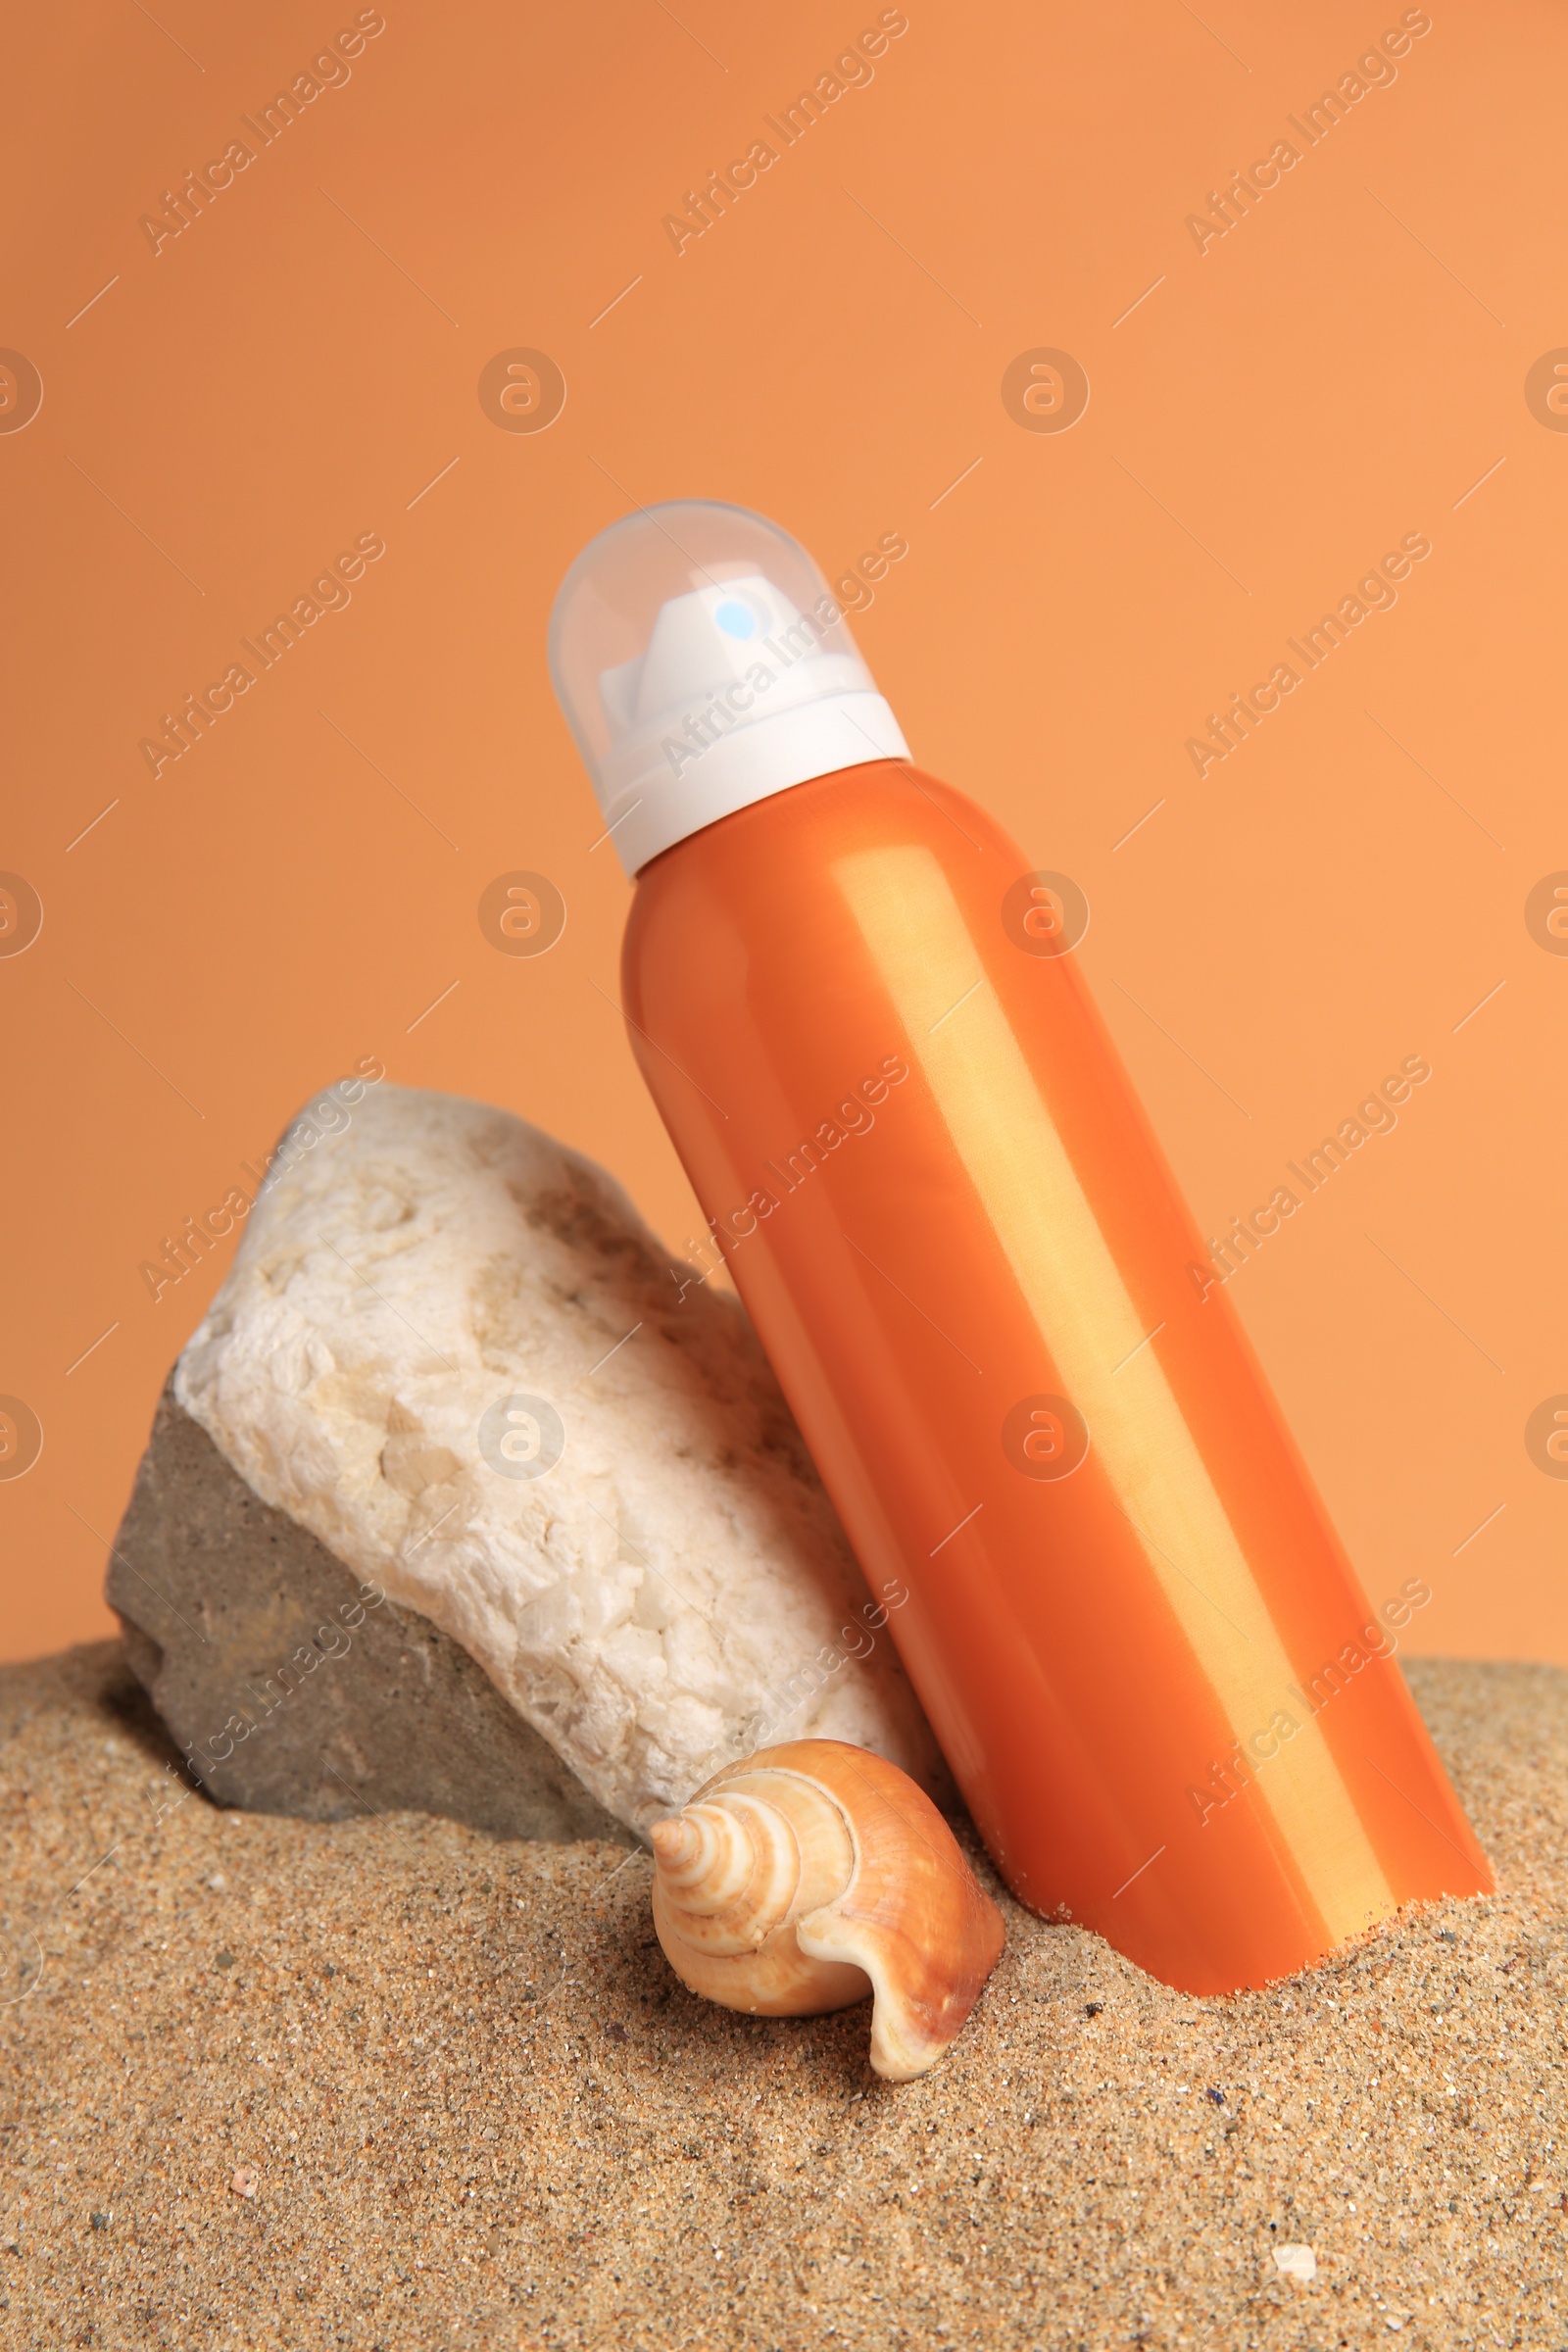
393,2083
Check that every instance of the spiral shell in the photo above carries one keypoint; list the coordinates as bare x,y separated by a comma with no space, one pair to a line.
813,1874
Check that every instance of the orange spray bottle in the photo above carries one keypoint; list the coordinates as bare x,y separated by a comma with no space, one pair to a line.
1171,1709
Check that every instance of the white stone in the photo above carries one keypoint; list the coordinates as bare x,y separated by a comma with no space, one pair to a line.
676,1588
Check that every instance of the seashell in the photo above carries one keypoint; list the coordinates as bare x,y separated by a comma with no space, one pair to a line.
813,1874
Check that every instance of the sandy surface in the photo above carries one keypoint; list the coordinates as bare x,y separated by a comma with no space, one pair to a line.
478,2110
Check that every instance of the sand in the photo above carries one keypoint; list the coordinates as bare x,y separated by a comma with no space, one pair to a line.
473,2107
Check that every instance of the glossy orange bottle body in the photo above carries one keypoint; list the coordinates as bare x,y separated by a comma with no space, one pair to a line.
1169,1705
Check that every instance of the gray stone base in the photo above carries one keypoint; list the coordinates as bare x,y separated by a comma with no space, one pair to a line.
292,1689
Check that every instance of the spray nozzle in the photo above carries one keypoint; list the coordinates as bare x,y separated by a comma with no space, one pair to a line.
703,663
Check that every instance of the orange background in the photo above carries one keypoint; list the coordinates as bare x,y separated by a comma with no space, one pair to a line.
297,366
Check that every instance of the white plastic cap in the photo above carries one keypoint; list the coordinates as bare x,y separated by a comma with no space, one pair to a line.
703,663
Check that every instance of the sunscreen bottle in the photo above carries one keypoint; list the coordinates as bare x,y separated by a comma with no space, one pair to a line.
1171,1708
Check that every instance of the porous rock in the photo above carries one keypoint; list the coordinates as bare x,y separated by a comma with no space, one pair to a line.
530,1498
296,1689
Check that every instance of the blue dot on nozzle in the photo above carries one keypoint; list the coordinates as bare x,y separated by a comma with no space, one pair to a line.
736,619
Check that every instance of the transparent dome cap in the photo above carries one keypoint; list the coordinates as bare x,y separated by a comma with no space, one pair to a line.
703,663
